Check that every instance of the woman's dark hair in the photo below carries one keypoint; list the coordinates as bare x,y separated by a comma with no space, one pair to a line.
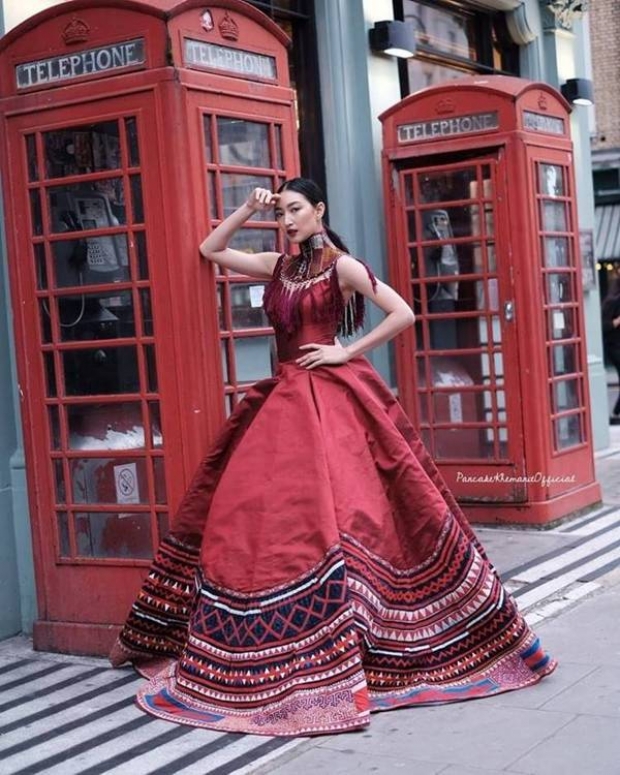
314,195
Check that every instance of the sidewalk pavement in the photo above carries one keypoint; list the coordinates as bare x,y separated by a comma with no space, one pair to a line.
66,715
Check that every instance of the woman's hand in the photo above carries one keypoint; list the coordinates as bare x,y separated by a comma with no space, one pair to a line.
323,355
262,199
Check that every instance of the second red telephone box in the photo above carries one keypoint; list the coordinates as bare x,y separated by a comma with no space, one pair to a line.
483,241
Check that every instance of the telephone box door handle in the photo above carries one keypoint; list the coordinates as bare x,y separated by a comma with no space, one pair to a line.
509,310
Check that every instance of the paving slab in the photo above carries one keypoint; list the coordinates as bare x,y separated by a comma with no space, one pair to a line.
588,745
473,733
348,762
597,694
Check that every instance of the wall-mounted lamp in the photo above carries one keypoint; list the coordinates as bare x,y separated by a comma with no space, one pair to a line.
394,38
579,91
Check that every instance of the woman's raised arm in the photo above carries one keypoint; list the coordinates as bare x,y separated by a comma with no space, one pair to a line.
215,246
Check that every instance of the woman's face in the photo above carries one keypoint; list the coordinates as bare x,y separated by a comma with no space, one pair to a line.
298,218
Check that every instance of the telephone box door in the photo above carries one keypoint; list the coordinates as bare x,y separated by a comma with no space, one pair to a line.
459,374
88,234
241,144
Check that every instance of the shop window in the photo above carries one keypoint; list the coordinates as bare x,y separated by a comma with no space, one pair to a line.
453,41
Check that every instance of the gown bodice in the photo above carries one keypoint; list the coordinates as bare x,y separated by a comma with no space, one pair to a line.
305,310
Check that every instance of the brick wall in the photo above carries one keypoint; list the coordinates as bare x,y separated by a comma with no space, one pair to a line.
605,39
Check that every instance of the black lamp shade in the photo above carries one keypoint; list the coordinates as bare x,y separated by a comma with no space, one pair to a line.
579,91
393,37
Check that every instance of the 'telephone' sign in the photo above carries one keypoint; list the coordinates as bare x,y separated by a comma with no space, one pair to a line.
445,127
117,56
212,56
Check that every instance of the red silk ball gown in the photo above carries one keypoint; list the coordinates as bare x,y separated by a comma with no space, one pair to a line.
318,568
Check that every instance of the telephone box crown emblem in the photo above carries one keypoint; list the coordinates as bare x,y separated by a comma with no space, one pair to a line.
77,31
229,27
445,105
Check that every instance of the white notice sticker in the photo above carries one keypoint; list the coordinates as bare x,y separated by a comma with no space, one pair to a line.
558,320
456,407
256,295
126,483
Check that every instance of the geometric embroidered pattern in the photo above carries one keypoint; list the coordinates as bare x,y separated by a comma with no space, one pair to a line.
351,636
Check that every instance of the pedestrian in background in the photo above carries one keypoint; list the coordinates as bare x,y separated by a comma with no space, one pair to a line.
611,338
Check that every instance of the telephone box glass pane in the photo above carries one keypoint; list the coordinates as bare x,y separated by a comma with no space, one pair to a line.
565,395
564,359
151,368
253,358
31,154
83,149
254,240
551,180
137,205
559,288
59,482
92,261
98,204
246,303
237,188
224,356
467,443
35,212
131,135
159,479
554,216
206,125
64,544
556,251
561,323
96,316
113,535
147,312
243,143
141,252
568,431
106,371
457,407
40,266
54,426
212,194
46,322
278,138
105,426
157,438
109,480
50,373
448,185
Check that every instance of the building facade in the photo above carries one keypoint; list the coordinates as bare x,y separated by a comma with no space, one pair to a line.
342,88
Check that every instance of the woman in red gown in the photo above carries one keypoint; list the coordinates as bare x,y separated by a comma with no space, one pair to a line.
318,569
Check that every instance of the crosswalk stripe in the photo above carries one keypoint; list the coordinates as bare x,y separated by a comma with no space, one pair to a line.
41,709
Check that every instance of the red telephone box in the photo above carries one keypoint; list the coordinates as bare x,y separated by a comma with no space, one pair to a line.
129,130
483,240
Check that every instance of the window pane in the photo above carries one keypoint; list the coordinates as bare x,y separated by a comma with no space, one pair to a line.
113,535
91,261
564,359
40,266
133,150
253,358
50,374
243,143
106,371
59,481
451,32
96,316
137,204
237,188
31,153
109,480
559,288
141,251
555,251
35,212
568,430
157,438
254,240
159,478
54,426
551,180
247,306
206,127
448,185
95,205
64,545
565,395
82,150
554,216
106,426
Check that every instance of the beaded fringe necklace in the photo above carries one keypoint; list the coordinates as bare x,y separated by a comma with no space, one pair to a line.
294,276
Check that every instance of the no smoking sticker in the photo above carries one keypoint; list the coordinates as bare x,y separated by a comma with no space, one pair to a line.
126,483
